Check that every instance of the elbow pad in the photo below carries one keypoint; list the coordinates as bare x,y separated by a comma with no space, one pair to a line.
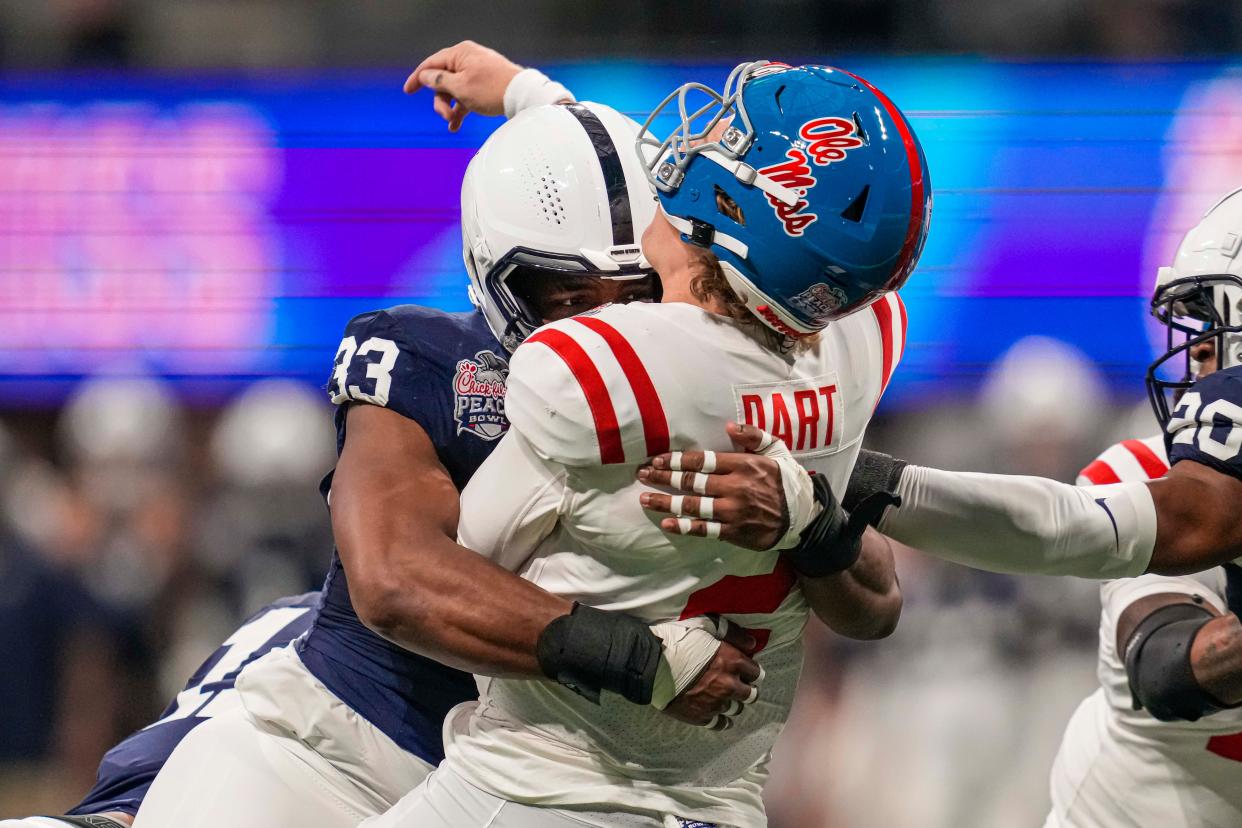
1162,680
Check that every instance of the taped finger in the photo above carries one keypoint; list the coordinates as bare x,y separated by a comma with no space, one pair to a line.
699,528
733,709
694,481
683,506
753,697
719,722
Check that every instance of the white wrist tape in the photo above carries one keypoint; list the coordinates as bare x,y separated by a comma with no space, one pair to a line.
529,88
689,647
799,493
1026,525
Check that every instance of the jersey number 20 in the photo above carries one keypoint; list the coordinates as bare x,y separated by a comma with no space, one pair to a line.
1197,424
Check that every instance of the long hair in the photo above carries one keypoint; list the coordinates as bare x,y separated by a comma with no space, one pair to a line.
709,283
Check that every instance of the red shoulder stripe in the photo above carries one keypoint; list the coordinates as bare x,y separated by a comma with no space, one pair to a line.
655,424
1099,473
1152,465
884,318
593,387
901,309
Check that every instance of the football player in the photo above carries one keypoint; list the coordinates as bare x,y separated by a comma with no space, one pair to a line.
1159,743
795,198
1185,521
340,725
127,770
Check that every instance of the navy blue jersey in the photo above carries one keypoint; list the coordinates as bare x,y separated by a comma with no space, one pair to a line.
446,372
1206,426
128,770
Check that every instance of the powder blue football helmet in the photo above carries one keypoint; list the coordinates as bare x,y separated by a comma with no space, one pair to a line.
806,182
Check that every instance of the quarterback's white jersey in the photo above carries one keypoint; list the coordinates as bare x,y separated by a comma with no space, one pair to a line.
1118,766
590,399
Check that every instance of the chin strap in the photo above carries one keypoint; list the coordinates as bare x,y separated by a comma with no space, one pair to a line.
705,235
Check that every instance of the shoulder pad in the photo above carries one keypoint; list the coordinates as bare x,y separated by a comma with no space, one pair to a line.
580,394
1127,461
367,358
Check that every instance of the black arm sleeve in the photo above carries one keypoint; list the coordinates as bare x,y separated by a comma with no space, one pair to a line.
1157,656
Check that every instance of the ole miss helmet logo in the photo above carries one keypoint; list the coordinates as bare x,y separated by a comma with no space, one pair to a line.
823,141
479,395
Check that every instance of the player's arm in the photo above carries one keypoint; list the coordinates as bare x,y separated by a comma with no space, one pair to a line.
469,78
1183,657
864,601
394,516
1185,522
1197,519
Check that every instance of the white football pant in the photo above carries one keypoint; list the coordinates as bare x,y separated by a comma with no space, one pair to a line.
445,800
295,756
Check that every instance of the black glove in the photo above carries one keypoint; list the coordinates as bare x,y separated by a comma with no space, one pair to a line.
833,541
874,472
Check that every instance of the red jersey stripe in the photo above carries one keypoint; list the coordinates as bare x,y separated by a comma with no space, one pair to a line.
593,387
655,424
901,310
884,318
917,181
1099,473
1228,746
1152,465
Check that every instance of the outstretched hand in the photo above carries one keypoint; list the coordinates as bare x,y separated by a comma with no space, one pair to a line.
465,78
735,496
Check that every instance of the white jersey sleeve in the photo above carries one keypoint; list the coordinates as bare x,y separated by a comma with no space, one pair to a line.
513,501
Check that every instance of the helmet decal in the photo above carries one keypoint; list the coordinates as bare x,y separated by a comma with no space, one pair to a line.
829,139
795,174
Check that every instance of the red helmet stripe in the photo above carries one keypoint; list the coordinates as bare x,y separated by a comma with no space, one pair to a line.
917,176
655,424
593,388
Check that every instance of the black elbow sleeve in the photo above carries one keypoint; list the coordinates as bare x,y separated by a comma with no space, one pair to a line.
1158,665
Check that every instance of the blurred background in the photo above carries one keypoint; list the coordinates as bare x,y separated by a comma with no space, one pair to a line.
196,195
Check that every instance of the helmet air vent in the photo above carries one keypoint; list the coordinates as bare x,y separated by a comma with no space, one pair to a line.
777,99
859,131
854,212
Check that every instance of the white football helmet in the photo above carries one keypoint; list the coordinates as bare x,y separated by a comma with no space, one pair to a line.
1199,298
556,189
